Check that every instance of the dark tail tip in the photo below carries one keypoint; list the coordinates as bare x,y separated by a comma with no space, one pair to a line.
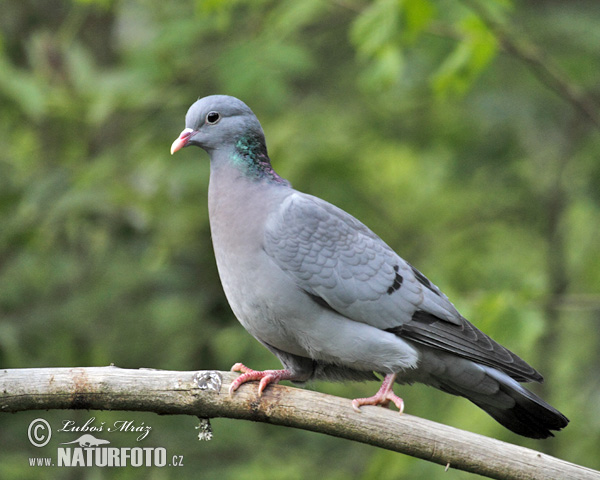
530,416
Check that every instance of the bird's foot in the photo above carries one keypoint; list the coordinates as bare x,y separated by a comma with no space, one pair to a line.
383,397
266,377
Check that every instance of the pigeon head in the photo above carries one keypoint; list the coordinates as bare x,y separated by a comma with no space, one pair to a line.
230,133
219,122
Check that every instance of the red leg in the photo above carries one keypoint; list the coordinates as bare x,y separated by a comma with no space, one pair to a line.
383,397
266,377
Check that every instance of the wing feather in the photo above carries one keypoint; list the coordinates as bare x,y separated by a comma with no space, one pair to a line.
332,255
467,341
342,264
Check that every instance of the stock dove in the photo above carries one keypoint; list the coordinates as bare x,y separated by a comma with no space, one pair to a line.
331,299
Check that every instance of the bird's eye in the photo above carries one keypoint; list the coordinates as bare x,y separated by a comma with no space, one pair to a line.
212,118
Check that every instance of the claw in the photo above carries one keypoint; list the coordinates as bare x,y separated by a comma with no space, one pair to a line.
266,377
238,367
383,397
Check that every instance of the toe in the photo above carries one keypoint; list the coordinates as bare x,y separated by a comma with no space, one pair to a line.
356,405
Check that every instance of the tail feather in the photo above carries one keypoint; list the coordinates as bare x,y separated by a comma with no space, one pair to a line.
513,406
530,416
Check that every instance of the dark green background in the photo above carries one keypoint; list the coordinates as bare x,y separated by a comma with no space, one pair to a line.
410,115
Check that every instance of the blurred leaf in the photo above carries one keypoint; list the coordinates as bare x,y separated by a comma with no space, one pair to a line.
470,57
290,16
376,27
23,89
386,68
417,15
269,64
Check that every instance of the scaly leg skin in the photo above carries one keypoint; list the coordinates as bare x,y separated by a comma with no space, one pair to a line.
383,397
266,377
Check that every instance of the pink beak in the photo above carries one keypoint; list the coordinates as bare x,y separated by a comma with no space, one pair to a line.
182,140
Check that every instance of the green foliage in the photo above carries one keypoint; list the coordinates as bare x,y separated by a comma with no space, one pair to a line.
402,112
379,34
468,59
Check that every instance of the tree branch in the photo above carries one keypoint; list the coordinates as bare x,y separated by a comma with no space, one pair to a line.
543,67
204,394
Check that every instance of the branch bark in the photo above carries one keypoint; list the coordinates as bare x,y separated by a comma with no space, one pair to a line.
204,394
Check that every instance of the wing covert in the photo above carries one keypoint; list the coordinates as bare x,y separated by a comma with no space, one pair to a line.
332,255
